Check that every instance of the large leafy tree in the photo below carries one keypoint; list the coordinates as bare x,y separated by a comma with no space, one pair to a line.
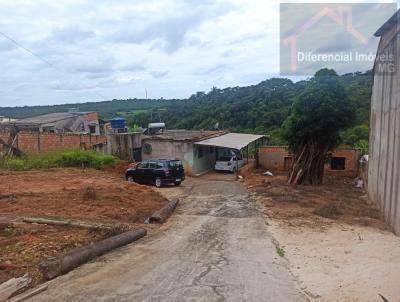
312,129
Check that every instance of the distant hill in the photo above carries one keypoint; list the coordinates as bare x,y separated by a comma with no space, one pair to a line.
260,108
106,109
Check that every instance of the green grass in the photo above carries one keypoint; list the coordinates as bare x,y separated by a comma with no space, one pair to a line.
280,251
59,159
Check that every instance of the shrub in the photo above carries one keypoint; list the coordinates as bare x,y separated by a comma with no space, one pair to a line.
59,159
14,164
85,159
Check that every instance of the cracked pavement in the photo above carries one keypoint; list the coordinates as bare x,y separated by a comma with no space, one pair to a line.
216,247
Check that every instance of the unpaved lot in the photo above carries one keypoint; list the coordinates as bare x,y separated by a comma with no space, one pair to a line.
23,246
337,245
88,194
216,247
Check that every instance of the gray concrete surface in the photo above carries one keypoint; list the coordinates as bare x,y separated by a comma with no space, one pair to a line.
216,247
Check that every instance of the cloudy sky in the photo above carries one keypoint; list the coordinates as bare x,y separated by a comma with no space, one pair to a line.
54,52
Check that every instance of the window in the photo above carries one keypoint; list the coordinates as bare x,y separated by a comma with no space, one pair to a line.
152,165
175,164
338,163
92,129
142,166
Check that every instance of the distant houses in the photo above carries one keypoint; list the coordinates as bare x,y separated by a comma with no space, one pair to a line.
62,122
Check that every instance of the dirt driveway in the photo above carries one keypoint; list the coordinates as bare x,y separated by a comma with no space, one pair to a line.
215,248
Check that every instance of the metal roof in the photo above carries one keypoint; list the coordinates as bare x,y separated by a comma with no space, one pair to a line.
49,118
230,140
183,135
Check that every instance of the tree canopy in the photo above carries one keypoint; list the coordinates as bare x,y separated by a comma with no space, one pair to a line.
314,125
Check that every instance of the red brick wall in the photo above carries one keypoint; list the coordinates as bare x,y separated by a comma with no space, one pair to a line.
272,158
92,116
35,142
351,167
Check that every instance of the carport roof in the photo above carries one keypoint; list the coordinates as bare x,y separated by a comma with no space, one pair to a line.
230,140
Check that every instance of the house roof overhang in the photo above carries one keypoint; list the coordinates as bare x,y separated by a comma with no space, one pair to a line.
235,141
392,22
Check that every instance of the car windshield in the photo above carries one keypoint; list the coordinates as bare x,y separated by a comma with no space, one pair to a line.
225,158
175,164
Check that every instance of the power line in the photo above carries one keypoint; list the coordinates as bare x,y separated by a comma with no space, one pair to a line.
41,58
26,49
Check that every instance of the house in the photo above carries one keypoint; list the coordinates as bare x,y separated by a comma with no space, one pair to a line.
197,149
277,159
384,150
4,119
63,122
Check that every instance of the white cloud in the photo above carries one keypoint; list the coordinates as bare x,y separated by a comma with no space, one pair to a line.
116,48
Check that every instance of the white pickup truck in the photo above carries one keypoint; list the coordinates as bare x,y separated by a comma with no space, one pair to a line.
229,163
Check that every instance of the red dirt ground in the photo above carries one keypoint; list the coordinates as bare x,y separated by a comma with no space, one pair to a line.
88,194
336,200
23,246
68,193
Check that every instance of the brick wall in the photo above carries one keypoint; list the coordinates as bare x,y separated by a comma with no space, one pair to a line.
35,142
92,116
277,159
272,158
351,157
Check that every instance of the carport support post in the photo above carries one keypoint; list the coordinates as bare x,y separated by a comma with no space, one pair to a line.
237,165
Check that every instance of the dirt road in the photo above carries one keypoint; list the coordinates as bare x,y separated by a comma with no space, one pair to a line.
215,248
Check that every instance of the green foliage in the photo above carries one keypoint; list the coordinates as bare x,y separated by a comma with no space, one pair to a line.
319,112
134,128
280,251
260,108
362,146
353,135
87,159
74,158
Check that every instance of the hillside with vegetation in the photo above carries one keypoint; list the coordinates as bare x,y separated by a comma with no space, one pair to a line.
260,108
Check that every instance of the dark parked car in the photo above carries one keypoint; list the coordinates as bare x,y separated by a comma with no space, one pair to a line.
157,172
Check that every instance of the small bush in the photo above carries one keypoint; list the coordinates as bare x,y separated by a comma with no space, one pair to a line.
60,159
14,164
85,159
280,251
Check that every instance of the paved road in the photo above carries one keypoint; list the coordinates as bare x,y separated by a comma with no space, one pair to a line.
215,248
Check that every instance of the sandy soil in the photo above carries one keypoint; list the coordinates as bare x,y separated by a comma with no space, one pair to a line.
334,239
77,193
342,262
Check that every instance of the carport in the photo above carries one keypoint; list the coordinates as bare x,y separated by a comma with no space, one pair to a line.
240,143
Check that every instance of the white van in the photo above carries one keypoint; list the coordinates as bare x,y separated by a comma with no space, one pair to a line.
229,163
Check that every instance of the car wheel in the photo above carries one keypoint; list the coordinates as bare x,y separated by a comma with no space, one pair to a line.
158,182
177,183
234,170
130,178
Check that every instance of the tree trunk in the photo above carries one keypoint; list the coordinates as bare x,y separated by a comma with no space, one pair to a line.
54,267
308,165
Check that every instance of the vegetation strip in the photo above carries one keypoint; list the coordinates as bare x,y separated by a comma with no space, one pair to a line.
56,266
